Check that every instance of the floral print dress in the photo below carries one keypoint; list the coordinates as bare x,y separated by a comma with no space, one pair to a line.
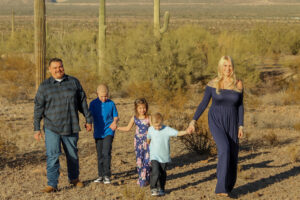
142,151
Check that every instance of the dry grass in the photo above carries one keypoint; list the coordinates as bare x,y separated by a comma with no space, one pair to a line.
293,93
275,99
297,126
270,139
16,75
134,193
247,174
274,119
263,170
294,153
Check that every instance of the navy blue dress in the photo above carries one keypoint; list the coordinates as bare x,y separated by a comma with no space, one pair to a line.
225,116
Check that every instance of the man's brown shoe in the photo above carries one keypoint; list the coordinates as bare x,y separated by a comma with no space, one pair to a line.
49,189
77,183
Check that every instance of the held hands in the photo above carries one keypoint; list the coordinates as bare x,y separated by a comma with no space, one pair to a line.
113,126
88,127
38,136
191,127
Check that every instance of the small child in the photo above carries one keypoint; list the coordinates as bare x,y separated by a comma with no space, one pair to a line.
142,121
159,139
105,117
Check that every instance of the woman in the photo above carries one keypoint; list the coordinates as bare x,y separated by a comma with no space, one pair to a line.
225,118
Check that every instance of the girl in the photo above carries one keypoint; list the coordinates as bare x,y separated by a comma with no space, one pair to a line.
142,121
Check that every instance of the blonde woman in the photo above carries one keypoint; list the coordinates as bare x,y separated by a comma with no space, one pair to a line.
225,118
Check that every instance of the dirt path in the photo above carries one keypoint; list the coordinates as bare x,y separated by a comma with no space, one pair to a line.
265,172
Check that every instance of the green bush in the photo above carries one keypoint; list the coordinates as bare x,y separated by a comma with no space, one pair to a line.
183,56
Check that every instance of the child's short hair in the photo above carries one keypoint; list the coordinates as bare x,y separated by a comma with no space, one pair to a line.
102,88
139,101
157,118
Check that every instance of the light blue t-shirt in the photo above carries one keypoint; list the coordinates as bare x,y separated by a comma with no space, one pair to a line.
160,143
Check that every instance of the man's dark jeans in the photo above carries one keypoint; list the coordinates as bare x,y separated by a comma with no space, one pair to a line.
158,175
53,151
103,147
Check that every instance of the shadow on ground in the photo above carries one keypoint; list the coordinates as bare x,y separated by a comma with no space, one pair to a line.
21,160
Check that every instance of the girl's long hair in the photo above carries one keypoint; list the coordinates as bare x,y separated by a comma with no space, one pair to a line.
138,102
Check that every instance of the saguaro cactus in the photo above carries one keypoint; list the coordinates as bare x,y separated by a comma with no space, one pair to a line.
12,23
157,29
102,35
39,40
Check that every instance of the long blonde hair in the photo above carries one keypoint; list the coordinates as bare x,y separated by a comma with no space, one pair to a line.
221,77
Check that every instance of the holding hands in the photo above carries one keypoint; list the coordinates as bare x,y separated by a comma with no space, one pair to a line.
191,127
88,127
113,126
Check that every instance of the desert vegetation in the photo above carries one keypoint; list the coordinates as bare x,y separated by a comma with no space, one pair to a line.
170,72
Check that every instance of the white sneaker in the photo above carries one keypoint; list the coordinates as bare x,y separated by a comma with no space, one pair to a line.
99,179
106,180
154,192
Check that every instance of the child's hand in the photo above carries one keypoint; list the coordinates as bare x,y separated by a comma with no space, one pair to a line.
113,126
88,127
189,131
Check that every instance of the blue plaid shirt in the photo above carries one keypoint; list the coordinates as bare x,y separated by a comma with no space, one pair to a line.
58,103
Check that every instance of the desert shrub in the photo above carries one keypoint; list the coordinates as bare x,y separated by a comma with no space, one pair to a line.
294,153
201,141
88,78
183,56
16,78
295,47
22,42
270,139
272,39
293,90
78,49
141,89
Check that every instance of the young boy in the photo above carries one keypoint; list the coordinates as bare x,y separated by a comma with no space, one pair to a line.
159,139
105,117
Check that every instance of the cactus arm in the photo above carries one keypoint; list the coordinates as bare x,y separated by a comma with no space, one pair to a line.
166,22
157,29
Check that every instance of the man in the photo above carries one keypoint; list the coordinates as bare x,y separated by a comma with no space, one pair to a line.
58,100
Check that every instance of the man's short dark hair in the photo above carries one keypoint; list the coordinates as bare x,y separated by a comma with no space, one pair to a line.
55,60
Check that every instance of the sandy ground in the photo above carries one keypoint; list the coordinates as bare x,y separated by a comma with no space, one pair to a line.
265,171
